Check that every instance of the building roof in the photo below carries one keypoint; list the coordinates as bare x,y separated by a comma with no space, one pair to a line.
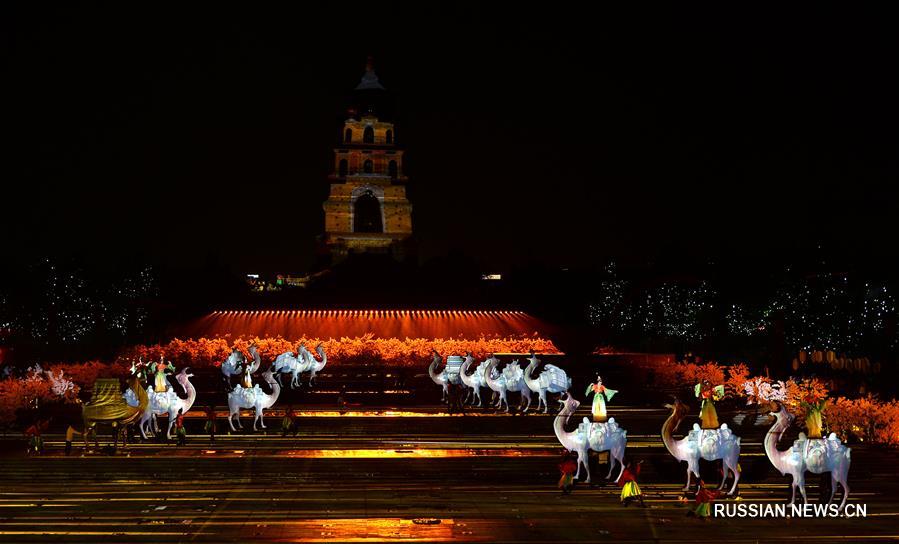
369,80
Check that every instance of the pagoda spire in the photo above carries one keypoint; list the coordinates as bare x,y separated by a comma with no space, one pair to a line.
369,79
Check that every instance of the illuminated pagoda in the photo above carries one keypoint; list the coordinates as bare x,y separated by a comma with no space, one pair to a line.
367,210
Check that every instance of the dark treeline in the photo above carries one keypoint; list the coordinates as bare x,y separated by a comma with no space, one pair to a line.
68,309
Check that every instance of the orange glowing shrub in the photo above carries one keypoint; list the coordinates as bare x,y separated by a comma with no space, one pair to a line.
675,374
865,419
363,350
32,391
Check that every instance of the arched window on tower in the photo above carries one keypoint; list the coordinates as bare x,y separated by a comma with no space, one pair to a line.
368,167
367,214
348,135
342,168
368,137
392,170
389,136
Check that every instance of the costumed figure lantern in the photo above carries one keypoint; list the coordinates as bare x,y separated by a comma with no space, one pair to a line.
709,395
161,384
601,395
814,418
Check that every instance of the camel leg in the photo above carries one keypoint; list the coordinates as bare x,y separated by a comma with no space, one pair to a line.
611,465
842,476
168,431
620,464
793,487
689,475
801,484
583,459
833,487
845,493
233,414
736,470
141,424
261,413
543,400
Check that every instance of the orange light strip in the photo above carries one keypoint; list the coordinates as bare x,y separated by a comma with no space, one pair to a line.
368,313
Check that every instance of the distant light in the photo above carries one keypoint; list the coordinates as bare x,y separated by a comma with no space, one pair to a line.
492,277
254,276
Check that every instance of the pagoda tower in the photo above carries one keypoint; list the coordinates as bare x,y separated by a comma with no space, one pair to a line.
367,210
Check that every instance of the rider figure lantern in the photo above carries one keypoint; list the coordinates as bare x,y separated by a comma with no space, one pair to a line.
709,395
814,407
601,395
161,385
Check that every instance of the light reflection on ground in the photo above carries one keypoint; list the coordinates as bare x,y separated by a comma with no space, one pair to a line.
416,452
373,530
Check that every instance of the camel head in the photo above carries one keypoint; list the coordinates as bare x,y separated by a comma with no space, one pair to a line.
678,409
184,375
133,382
569,402
784,417
237,357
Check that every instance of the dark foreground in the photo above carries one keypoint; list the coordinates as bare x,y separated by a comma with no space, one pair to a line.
405,478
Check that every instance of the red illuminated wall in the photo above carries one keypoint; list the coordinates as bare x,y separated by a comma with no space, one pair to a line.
352,323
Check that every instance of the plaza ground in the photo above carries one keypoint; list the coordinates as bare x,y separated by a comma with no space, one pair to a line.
411,474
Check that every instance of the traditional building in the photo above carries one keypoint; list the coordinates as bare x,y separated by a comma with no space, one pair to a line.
367,210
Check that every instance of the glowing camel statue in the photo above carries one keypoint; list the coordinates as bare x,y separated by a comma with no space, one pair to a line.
314,366
816,455
510,379
252,397
288,363
474,381
442,378
708,444
552,379
605,436
163,403
233,368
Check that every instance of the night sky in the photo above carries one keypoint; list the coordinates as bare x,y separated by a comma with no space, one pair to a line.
533,133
